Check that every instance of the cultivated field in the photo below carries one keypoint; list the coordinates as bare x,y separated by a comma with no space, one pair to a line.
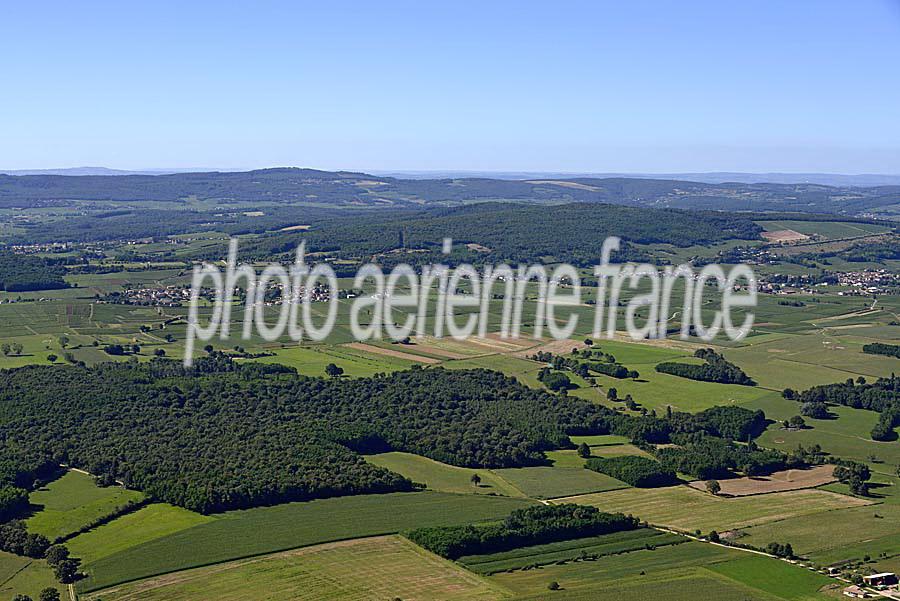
386,567
238,534
781,236
775,482
679,572
829,230
687,509
775,577
570,550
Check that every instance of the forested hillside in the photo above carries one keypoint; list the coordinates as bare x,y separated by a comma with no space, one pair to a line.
507,232
502,231
287,185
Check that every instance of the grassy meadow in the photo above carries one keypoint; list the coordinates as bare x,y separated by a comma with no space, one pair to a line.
72,502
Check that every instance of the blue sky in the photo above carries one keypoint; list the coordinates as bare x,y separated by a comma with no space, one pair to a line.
526,86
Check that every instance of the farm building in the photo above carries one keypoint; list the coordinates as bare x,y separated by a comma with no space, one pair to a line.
856,592
883,579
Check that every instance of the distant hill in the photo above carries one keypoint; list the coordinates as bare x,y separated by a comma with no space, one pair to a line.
80,171
714,177
344,188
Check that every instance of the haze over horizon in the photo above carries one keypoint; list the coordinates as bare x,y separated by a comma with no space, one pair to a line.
595,88
711,177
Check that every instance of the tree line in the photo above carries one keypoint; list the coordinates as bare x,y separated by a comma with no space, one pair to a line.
640,472
715,369
882,396
539,524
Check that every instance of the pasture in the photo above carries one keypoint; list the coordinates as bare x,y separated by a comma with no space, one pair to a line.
443,477
551,482
311,360
73,501
147,523
386,567
24,576
847,435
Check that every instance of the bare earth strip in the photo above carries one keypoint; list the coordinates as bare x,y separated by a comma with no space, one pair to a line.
434,350
784,236
776,482
377,350
495,345
376,568
521,341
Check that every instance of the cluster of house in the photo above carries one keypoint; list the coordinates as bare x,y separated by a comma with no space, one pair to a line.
877,581
320,293
766,287
33,249
168,296
869,281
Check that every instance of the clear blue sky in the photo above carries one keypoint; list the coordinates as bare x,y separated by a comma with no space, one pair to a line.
557,86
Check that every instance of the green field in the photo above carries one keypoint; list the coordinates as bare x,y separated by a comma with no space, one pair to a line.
776,577
24,576
551,482
72,502
830,230
147,523
675,572
311,361
845,534
238,534
387,567
443,477
687,509
301,550
846,436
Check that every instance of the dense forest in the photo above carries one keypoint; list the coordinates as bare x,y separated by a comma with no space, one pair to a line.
20,273
540,524
715,369
878,348
634,470
488,232
238,436
224,435
508,232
